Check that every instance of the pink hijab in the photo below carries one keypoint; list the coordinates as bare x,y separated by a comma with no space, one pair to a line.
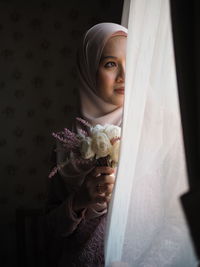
92,108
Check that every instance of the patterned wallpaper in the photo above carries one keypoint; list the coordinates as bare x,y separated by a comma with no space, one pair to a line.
38,41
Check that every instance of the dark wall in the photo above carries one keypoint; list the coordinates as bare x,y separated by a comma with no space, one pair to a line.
38,41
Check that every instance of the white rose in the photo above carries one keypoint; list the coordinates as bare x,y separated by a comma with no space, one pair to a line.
112,131
86,148
101,144
114,153
97,128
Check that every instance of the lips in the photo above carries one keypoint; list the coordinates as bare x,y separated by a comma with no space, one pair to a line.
119,91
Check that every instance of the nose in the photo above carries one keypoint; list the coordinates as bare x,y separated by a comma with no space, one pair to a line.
121,73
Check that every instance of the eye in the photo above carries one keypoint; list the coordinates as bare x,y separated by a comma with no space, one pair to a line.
110,64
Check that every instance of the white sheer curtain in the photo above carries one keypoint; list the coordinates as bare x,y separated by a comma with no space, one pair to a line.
146,225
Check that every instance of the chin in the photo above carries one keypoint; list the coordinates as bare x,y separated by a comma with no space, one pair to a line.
119,104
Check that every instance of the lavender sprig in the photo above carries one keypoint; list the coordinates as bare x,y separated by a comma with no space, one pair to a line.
59,137
70,135
83,132
68,139
53,172
84,122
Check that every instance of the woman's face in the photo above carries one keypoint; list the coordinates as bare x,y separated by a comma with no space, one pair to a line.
111,71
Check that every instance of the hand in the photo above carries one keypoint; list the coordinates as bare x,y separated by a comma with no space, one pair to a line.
96,188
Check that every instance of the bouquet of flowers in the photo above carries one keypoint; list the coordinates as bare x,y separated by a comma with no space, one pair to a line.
96,145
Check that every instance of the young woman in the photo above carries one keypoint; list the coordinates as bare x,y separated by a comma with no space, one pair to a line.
78,202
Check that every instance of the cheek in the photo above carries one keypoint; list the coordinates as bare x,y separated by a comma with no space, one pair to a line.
105,79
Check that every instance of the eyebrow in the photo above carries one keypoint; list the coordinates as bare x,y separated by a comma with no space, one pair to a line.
105,57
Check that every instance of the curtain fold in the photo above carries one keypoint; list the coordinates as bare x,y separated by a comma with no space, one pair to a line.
146,224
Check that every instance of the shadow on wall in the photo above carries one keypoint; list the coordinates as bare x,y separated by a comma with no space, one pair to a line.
38,95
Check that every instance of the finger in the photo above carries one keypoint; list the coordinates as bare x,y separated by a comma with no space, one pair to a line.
104,188
100,199
99,189
108,197
102,169
103,199
108,189
104,179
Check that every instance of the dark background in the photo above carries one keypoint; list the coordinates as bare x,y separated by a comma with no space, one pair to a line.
38,41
